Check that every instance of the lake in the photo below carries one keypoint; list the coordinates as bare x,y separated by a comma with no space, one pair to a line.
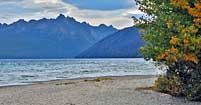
26,71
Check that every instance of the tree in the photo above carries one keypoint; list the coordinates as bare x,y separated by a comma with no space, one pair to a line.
172,31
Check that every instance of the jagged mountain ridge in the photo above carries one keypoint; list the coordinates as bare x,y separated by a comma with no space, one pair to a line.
62,37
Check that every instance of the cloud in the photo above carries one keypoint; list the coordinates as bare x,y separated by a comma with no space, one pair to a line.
12,10
45,1
2,1
102,4
118,18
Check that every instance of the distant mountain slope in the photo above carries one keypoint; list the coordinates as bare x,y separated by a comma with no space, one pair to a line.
62,37
122,44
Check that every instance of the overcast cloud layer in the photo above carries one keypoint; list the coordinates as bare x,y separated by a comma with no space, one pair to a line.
95,12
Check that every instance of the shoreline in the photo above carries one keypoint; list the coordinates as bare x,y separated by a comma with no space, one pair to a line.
71,79
108,90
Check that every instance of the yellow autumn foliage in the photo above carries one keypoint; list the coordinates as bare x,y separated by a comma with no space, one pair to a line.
191,58
174,40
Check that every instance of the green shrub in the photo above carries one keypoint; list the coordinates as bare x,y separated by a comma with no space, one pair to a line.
175,86
193,84
171,86
172,32
193,92
161,84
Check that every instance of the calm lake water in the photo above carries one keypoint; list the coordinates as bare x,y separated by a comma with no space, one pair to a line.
21,72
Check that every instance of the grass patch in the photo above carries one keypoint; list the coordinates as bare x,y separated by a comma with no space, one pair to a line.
69,104
145,88
98,79
67,83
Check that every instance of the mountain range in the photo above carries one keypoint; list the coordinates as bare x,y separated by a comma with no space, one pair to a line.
123,44
64,37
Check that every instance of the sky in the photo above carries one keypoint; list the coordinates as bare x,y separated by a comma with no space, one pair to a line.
110,12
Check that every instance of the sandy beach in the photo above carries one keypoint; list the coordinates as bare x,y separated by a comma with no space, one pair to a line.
89,91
